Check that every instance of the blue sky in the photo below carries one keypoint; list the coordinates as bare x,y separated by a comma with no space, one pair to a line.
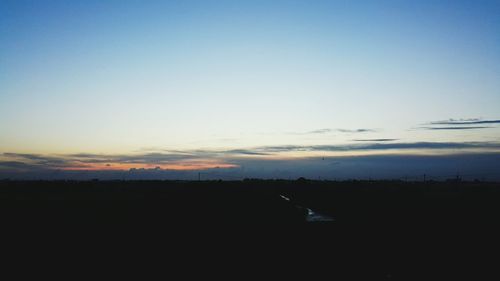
139,77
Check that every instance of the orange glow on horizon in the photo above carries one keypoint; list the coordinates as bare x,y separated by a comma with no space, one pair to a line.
180,166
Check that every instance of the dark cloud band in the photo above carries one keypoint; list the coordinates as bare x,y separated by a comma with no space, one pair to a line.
82,160
456,128
375,140
464,122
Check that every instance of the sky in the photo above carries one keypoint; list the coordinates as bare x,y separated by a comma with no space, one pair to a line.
323,89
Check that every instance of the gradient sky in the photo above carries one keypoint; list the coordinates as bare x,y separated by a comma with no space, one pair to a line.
223,80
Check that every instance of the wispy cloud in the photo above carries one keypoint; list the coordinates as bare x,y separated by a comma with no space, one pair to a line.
320,131
155,158
40,159
244,152
383,146
460,124
469,121
18,166
375,140
356,130
456,128
329,130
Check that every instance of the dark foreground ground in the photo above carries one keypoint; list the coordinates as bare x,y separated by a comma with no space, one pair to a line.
377,230
374,203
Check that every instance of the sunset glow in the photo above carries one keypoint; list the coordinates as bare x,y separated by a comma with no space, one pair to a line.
182,166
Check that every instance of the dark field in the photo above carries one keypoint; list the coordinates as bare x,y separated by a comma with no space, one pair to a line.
157,203
368,230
